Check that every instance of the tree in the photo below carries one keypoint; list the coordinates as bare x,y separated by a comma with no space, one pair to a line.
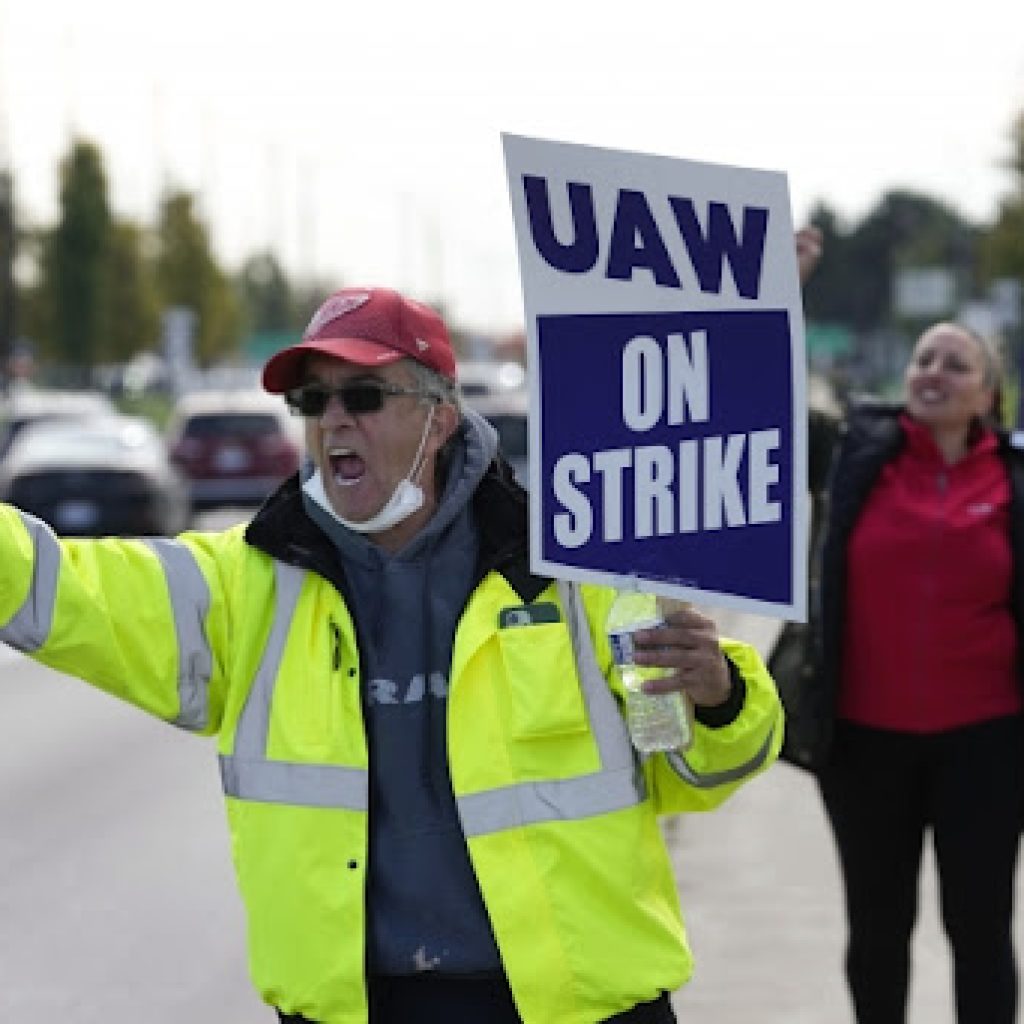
74,261
1002,250
1002,257
854,284
131,314
829,294
266,295
188,275
306,298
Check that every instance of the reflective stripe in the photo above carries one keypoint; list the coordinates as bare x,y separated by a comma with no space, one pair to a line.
609,726
29,627
529,803
190,604
254,722
711,779
301,785
606,722
618,784
248,774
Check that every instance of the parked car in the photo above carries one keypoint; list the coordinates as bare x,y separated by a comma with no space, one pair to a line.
478,377
234,447
33,405
103,476
507,412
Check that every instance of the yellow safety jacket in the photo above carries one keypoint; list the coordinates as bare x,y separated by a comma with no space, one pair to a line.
214,634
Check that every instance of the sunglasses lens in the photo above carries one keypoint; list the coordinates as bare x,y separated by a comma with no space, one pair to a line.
311,401
358,398
307,401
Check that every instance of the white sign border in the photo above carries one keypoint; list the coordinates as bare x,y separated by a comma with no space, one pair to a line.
795,610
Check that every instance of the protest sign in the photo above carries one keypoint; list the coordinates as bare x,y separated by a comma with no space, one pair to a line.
666,373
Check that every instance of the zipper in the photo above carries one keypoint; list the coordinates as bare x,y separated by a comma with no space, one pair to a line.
335,643
939,531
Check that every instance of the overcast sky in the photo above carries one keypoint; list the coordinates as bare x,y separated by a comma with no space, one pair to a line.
362,143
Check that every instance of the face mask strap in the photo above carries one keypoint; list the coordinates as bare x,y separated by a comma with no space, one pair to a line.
417,462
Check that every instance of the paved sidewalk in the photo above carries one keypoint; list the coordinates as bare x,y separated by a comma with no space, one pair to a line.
760,891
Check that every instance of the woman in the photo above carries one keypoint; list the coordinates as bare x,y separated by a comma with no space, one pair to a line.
915,721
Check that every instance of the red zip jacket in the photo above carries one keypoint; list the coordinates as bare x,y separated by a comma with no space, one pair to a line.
929,640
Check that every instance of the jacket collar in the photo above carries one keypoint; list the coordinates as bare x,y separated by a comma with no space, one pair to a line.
283,530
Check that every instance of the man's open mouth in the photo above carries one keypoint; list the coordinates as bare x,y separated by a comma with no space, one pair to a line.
347,467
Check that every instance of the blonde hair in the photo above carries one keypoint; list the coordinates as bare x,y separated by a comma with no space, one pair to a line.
990,354
992,365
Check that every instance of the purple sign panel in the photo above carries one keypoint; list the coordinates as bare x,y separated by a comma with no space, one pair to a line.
669,455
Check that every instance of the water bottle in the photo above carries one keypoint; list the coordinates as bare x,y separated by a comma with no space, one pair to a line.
657,721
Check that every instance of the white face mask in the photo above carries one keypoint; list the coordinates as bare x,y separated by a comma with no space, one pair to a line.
405,499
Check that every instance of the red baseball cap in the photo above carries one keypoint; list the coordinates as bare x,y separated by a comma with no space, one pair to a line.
370,327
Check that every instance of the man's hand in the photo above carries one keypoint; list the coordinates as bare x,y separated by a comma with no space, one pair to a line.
809,244
687,646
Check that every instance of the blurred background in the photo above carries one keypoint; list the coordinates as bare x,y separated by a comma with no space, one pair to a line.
181,185
177,192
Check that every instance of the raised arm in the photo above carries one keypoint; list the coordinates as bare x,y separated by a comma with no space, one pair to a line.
138,619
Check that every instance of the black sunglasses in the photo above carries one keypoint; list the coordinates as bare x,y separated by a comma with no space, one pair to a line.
311,400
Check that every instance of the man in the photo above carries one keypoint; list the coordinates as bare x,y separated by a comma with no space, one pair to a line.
436,813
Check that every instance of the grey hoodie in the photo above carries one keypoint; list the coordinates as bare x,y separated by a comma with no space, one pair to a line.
424,908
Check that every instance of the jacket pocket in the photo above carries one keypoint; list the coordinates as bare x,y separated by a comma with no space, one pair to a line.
544,687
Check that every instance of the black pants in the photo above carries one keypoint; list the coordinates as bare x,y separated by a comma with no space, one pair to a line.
882,791
434,1000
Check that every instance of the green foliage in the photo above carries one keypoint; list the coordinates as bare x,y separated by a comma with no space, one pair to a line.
306,299
154,407
266,295
187,275
1003,249
853,285
132,314
1002,257
74,259
103,283
1016,161
94,300
1009,404
1002,253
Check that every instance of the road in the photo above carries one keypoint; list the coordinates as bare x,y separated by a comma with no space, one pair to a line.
118,903
117,900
